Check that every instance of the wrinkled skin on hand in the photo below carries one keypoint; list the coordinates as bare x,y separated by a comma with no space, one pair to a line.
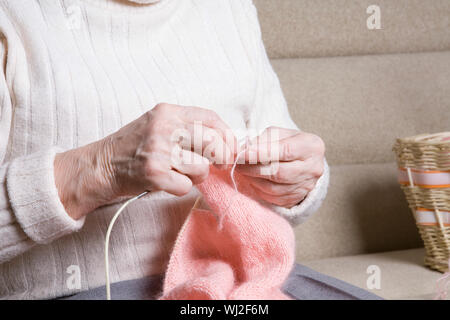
157,151
285,165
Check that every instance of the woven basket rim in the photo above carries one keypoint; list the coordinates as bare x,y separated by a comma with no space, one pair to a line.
427,138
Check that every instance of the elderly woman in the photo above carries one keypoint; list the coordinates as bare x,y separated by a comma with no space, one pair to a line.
91,92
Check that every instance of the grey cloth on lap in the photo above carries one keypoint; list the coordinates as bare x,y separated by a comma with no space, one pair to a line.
302,284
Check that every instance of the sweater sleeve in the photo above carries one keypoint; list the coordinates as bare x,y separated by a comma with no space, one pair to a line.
30,210
270,109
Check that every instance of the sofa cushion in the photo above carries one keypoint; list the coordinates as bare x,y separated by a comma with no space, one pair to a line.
359,105
365,211
311,28
402,274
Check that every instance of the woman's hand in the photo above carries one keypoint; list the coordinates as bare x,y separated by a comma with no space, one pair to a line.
284,165
168,148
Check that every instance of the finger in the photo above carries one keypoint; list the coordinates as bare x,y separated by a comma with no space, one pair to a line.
205,121
287,201
273,188
208,143
290,172
296,147
188,117
210,119
274,134
172,182
280,172
207,118
192,165
271,134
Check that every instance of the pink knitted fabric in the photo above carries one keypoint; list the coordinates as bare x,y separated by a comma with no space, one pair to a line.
248,255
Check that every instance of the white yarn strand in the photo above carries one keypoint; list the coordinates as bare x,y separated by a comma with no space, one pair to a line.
108,233
233,168
233,181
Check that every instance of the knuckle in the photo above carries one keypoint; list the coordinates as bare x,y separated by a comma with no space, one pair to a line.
149,116
161,106
318,144
153,169
318,170
288,151
162,109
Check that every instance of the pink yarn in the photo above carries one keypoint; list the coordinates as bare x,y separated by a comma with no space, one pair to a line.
249,257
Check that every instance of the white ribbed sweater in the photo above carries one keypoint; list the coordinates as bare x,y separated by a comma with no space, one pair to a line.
74,71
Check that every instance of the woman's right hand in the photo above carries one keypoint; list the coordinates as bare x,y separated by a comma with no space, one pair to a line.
168,148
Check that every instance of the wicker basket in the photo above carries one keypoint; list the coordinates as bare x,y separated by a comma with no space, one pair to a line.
424,175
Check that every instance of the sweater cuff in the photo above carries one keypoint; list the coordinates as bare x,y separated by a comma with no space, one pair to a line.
34,197
301,212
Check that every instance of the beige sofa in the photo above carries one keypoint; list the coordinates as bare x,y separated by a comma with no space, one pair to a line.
359,89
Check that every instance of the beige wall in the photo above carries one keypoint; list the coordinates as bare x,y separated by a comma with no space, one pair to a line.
318,28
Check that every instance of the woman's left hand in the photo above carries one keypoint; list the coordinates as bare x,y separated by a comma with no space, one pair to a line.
283,165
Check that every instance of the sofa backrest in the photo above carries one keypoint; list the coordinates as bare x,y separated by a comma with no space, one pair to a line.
360,89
